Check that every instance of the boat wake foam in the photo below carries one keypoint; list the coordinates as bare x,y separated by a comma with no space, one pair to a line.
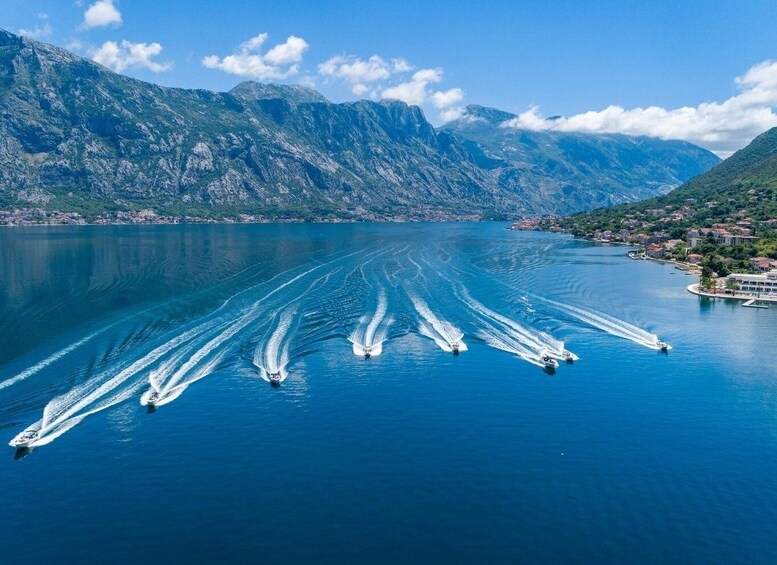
443,333
368,337
608,324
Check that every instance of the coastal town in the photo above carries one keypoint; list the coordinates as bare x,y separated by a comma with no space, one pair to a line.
668,234
734,256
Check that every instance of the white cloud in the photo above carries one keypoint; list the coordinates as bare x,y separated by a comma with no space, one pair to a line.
452,114
378,77
282,61
447,98
415,90
129,55
307,80
287,53
361,75
722,127
41,30
101,13
356,71
400,66
360,89
38,32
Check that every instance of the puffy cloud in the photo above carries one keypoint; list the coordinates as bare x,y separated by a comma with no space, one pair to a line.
279,62
358,73
378,77
42,30
415,90
101,13
287,53
722,127
129,55
452,114
447,98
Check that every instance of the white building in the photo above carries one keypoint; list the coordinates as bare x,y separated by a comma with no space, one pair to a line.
765,284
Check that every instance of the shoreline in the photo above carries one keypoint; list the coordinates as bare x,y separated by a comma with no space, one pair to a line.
694,289
257,222
690,268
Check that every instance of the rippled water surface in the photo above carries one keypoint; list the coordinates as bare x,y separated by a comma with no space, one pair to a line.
144,357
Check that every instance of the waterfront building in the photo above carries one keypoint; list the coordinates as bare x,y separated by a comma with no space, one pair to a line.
759,285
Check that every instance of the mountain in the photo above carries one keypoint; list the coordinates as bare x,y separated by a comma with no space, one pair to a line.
742,186
77,136
560,172
745,182
728,214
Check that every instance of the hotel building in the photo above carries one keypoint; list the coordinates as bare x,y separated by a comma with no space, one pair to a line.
759,285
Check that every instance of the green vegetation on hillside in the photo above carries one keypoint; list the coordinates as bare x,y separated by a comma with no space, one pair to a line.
78,138
729,213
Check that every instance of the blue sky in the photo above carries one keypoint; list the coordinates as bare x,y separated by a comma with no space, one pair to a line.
607,66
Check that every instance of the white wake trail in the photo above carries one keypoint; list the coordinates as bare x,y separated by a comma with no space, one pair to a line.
62,412
505,342
50,359
608,324
62,408
377,318
533,339
443,333
199,372
371,334
275,357
251,315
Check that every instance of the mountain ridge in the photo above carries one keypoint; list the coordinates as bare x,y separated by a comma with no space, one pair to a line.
76,135
609,168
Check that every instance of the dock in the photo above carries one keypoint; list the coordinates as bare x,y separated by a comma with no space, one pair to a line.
753,303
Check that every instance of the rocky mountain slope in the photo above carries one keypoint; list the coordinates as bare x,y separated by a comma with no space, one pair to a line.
744,186
566,172
75,135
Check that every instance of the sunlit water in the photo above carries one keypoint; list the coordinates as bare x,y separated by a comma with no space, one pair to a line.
627,454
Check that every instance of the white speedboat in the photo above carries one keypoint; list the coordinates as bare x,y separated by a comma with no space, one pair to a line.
548,362
367,351
27,437
275,379
663,346
455,347
151,397
568,356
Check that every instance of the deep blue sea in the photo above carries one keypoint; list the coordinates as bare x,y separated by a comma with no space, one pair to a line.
626,455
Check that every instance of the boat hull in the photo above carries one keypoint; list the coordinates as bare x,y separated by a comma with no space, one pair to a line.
27,438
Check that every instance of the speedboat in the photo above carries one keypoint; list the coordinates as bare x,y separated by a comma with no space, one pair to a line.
275,379
548,362
455,347
568,357
28,436
663,346
367,351
153,398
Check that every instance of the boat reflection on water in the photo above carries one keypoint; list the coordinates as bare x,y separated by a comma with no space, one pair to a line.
22,452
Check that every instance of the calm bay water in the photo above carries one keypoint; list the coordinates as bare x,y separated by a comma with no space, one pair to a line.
626,455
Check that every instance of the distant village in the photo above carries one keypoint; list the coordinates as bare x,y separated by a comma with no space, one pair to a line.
655,231
40,216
